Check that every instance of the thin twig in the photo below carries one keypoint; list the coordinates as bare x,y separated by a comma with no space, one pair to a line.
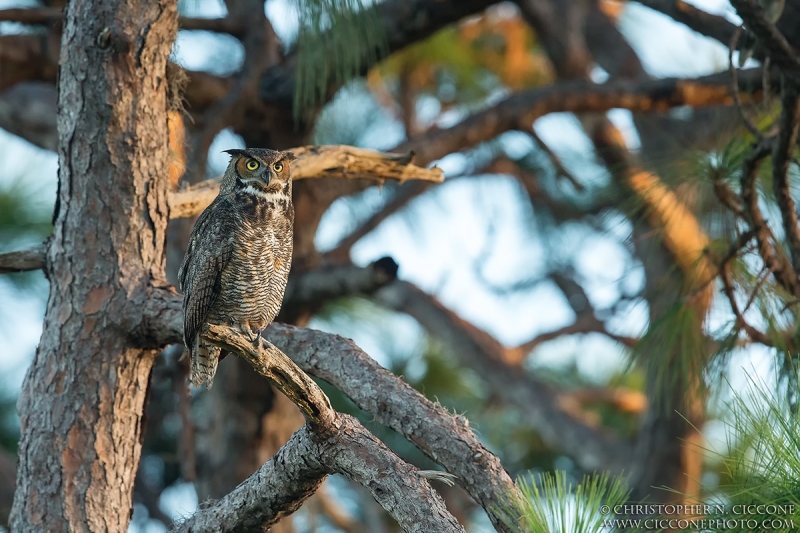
757,288
781,160
727,286
735,87
561,170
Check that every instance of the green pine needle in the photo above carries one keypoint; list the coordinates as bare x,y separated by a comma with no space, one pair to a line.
551,504
337,39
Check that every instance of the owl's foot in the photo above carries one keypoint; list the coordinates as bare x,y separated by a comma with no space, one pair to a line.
253,336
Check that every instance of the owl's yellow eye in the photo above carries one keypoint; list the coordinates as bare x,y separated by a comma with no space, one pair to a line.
252,165
278,167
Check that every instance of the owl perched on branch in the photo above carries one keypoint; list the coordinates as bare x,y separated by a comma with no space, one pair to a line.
239,254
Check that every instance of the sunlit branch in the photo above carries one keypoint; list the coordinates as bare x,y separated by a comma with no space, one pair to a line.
329,443
335,161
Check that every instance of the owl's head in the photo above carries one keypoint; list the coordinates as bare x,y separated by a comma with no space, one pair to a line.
263,169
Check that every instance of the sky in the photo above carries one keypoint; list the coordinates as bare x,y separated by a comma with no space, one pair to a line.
439,238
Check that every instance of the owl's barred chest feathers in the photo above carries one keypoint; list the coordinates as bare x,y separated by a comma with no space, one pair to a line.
253,283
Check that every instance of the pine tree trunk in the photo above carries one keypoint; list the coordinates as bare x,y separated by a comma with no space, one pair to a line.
82,401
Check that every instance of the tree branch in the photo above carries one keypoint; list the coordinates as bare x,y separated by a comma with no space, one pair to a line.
51,15
445,438
29,110
728,289
780,52
8,470
559,167
714,26
584,323
592,447
307,291
335,161
330,443
22,260
404,194
781,160
281,371
36,15
774,258
280,486
345,162
520,110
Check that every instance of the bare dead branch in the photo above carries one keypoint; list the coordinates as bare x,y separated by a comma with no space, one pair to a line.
445,438
520,110
296,471
780,52
271,363
781,160
336,161
22,260
592,447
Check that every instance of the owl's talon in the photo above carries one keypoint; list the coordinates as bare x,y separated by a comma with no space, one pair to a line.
252,338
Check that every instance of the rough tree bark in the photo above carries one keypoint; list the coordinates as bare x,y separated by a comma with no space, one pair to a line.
82,400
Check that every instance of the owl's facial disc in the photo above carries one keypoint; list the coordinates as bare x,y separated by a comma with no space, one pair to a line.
252,170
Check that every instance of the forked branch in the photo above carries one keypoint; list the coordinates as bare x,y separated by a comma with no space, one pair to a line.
329,443
445,438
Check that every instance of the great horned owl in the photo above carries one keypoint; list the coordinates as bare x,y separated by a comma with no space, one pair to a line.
239,254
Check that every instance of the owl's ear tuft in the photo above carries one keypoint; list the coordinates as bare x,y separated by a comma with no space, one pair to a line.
236,151
288,156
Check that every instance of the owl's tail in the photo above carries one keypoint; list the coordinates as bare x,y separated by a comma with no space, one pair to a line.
204,363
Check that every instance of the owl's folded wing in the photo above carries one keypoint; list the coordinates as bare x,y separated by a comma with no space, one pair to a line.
210,247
